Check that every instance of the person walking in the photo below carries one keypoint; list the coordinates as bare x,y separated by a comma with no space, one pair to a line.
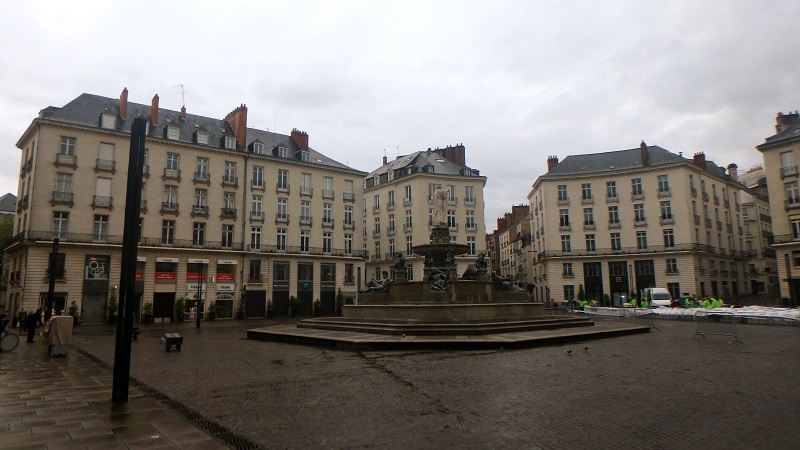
22,320
33,321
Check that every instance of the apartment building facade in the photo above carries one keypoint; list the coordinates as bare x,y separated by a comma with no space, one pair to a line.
762,267
612,224
398,208
781,152
230,215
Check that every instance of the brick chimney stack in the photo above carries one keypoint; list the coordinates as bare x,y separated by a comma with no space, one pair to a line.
154,111
456,154
300,138
123,103
237,119
784,122
700,160
733,171
183,112
385,160
645,154
552,161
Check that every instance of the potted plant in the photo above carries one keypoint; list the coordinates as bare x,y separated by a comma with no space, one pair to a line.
212,311
111,307
242,301
339,302
73,311
317,307
147,312
180,308
294,305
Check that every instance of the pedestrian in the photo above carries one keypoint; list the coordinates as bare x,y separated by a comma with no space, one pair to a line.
33,321
22,320
3,321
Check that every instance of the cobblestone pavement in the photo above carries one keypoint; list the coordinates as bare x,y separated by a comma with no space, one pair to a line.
666,389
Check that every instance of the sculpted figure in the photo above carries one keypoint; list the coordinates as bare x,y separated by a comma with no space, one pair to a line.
439,208
438,280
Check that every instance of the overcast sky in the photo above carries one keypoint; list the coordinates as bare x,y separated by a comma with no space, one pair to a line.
513,81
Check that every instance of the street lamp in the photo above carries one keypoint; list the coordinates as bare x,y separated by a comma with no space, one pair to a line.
199,293
630,282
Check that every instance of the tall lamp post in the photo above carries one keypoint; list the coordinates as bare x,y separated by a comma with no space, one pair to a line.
630,282
199,293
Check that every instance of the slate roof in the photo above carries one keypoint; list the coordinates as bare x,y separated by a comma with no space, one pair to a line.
440,164
793,132
614,161
86,110
8,203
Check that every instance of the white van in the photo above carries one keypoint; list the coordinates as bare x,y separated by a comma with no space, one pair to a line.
657,297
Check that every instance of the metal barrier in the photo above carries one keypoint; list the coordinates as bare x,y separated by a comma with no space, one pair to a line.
716,322
644,317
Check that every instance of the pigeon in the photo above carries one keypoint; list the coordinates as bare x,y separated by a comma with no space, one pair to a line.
568,352
586,349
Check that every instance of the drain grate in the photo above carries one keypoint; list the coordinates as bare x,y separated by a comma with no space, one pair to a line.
210,427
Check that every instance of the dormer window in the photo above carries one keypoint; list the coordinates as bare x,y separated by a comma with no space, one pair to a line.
108,121
173,133
305,156
282,152
258,148
230,142
202,137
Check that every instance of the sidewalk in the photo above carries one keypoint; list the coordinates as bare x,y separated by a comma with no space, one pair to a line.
65,402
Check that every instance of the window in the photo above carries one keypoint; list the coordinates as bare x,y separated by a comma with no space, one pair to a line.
408,218
283,152
663,183
255,238
305,210
377,225
666,210
282,214
588,216
569,292
592,269
230,142
586,191
229,201
451,193
255,270
590,243
167,231
305,239
471,245
200,198
391,248
795,230
100,228
63,186
669,238
674,290
202,168
348,215
409,246
327,187
451,218
348,273
390,201
199,234
469,195
283,179
638,212
230,172
327,240
563,217
641,240
613,214
562,193
377,250
60,221
305,187
616,242
672,265
348,244
280,243
567,270
258,176
227,236
173,133
470,219
173,161
256,207
67,146
611,189
566,244
377,203
407,197
327,213
636,186
258,148
305,155
792,193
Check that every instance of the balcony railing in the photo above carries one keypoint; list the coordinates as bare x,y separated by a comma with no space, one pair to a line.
789,171
64,198
228,213
170,174
202,177
693,191
587,201
99,201
281,218
105,165
282,188
327,222
630,250
349,197
705,196
307,191
668,220
697,219
66,160
306,220
328,193
200,210
612,199
471,227
230,180
665,193
257,184
169,207
469,202
563,202
143,205
349,225
257,215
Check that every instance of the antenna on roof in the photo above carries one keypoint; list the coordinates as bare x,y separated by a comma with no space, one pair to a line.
183,93
398,151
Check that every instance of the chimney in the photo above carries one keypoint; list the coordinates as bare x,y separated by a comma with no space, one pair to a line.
385,161
456,154
645,154
700,160
784,122
154,111
183,112
552,161
300,138
733,172
123,103
237,119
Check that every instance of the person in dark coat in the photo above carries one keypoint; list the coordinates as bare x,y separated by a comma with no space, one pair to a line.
33,321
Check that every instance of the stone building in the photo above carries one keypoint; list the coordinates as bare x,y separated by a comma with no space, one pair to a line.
618,222
781,152
758,236
398,208
234,215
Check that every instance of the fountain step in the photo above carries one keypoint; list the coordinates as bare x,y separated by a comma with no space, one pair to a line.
467,328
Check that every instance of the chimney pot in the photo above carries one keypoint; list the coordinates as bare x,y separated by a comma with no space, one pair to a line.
123,103
645,154
552,161
700,160
154,110
733,171
183,112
